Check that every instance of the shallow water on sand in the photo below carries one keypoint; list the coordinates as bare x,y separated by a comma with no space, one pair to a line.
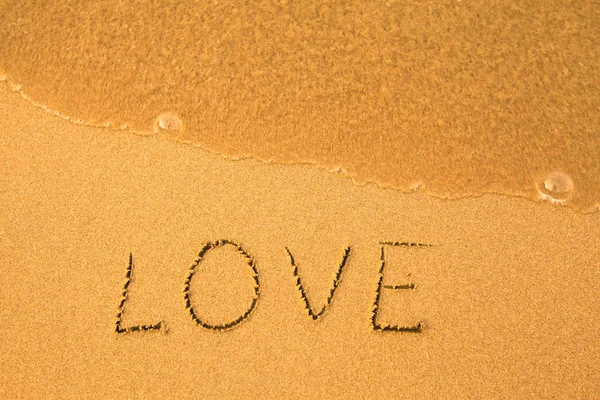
455,98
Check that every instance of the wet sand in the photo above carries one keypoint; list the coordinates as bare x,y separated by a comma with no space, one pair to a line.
504,296
460,97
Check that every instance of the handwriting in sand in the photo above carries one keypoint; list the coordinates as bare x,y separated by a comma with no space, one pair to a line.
194,310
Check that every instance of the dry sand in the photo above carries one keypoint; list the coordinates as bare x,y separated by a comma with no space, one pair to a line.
507,293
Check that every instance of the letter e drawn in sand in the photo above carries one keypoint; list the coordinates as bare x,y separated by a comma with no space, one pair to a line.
136,328
186,291
338,276
416,328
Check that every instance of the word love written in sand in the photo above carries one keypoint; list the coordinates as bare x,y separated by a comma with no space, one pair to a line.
195,310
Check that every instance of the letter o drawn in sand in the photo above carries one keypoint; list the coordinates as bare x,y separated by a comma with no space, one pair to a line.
193,310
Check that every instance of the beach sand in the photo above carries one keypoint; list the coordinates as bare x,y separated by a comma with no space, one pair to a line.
320,199
505,295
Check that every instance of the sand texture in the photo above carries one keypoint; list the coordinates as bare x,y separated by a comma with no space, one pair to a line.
316,199
460,97
487,297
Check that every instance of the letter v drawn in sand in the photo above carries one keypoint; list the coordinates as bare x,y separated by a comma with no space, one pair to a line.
338,276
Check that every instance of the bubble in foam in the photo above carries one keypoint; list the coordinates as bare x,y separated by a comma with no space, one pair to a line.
556,187
416,186
168,121
339,170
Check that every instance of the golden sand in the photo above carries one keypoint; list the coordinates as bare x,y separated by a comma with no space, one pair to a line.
158,266
460,97
505,295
